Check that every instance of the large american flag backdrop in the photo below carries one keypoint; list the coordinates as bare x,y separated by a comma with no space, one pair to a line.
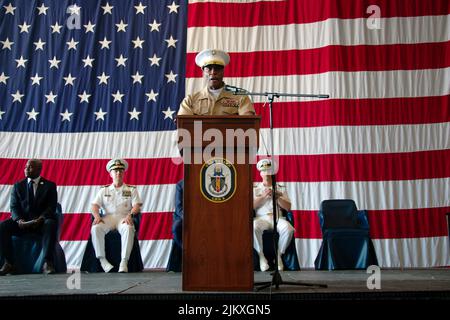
84,81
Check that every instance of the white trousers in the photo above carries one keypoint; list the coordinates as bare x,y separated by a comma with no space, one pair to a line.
112,222
285,230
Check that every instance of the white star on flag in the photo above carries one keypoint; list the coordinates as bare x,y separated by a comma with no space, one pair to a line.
36,79
171,77
134,114
32,115
9,9
121,26
105,43
24,27
3,78
88,61
54,63
168,113
138,43
173,7
154,60
66,116
17,96
69,80
84,97
107,9
21,62
42,10
72,44
137,77
171,42
89,27
140,8
154,26
121,61
151,96
74,9
117,96
39,45
100,115
2,113
103,78
56,28
51,97
7,44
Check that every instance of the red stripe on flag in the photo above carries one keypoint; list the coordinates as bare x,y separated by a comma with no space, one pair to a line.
410,223
354,167
357,112
4,215
306,168
333,58
287,12
384,224
156,226
140,172
76,227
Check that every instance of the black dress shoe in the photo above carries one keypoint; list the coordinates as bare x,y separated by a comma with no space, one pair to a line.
6,269
48,268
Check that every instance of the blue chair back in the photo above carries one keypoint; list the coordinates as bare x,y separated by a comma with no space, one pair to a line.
338,213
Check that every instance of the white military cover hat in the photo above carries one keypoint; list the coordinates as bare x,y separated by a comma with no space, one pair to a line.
212,56
116,163
266,166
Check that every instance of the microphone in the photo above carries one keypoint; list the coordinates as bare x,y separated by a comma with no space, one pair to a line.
234,89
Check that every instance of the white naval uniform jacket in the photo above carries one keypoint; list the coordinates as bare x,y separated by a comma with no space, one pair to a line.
117,201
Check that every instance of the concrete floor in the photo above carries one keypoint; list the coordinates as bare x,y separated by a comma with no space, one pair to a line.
161,285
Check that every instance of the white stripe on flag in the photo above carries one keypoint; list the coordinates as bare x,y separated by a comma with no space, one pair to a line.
369,195
348,32
344,85
288,141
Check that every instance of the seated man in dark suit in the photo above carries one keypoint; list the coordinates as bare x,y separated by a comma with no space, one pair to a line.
33,209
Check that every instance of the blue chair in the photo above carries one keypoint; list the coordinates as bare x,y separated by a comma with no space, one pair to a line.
290,259
28,254
113,246
346,241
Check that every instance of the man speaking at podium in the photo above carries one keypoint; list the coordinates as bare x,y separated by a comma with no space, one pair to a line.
215,99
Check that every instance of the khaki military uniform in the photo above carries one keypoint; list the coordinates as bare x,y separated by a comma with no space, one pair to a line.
204,103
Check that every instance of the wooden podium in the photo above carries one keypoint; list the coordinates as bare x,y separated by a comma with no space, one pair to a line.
218,202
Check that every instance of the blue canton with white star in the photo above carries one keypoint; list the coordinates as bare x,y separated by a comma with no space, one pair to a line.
84,66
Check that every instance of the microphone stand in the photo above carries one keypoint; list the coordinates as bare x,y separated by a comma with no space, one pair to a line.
276,276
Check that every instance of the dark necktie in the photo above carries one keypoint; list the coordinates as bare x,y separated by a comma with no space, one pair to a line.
31,193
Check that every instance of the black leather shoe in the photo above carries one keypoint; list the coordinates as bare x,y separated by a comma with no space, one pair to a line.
6,269
48,268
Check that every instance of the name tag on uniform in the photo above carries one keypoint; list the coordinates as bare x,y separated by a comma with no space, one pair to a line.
126,193
107,195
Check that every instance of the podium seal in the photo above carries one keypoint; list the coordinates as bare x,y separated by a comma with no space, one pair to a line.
218,180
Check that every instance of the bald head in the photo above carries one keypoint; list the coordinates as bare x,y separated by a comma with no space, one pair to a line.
33,168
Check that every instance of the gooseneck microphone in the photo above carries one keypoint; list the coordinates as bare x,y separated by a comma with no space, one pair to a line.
234,89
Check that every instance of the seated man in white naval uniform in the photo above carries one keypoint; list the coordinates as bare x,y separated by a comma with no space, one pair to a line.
119,202
262,204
